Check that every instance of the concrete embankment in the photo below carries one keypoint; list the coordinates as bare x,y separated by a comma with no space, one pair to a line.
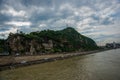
10,62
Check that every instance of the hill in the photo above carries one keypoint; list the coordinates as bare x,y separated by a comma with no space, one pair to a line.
49,41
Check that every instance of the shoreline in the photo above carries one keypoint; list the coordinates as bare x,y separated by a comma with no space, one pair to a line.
43,59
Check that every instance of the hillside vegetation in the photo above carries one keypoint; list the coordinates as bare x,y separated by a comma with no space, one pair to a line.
47,41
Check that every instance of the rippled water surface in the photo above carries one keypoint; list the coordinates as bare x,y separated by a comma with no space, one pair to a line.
99,66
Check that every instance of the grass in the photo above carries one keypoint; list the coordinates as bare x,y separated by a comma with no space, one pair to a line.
57,70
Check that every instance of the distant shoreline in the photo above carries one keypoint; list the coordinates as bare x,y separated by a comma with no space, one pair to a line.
10,62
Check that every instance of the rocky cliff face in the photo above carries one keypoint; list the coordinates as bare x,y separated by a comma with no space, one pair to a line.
49,42
19,44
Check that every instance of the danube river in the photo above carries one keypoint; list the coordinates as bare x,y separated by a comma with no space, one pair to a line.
98,66
101,66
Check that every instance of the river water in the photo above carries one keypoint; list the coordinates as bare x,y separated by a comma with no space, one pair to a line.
100,66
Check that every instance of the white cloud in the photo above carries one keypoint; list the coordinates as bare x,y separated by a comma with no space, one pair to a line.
4,34
106,9
66,6
35,9
12,12
85,24
42,25
16,23
82,11
86,11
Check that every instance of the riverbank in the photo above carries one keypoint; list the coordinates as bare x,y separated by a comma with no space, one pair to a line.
10,62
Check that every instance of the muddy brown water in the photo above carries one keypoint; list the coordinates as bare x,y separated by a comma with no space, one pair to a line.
101,66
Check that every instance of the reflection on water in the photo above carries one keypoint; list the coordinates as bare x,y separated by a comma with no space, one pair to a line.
100,66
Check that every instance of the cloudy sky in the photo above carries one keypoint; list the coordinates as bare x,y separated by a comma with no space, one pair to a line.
97,19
